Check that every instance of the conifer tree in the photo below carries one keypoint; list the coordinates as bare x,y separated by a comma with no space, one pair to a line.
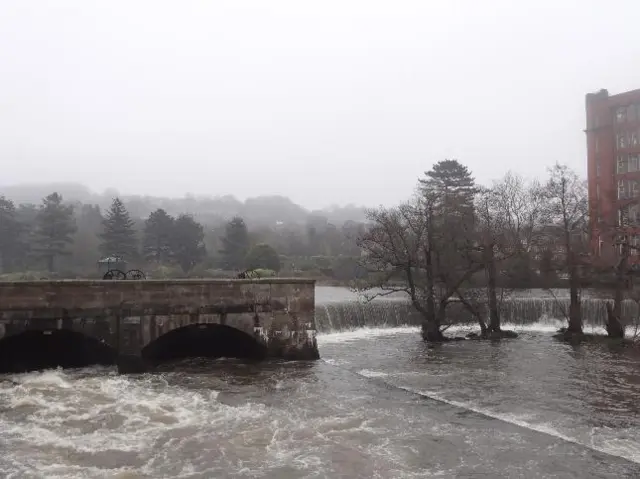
12,245
158,237
119,237
55,227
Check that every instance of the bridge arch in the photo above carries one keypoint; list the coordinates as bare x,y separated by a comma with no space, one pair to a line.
212,340
34,349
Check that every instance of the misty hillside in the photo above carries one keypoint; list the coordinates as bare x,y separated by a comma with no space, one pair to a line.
261,210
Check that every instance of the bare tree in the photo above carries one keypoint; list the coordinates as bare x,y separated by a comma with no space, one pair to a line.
567,213
402,253
508,217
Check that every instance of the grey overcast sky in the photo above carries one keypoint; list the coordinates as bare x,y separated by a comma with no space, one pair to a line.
327,102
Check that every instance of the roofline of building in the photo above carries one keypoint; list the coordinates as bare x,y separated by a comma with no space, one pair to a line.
625,93
620,98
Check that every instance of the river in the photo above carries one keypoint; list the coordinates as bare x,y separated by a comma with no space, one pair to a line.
379,404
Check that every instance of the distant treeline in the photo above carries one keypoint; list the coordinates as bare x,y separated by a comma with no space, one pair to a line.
209,210
56,238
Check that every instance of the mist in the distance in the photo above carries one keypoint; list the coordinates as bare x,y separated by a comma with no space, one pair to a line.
325,102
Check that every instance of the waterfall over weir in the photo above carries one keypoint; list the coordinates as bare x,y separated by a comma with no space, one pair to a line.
342,311
345,315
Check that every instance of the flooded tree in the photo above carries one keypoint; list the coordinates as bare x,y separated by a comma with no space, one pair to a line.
567,213
425,248
450,192
615,264
399,254
508,216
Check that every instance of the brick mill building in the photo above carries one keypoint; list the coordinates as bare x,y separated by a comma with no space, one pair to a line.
613,156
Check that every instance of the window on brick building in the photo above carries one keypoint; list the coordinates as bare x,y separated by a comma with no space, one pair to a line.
621,192
635,244
621,114
634,163
634,214
631,113
598,167
633,139
635,188
621,140
623,217
622,164
597,191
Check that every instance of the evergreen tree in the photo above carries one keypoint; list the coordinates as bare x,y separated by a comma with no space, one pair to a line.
263,256
12,246
235,244
119,235
188,242
447,237
55,227
450,190
158,237
451,187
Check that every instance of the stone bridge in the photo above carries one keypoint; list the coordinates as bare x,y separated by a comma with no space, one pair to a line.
136,323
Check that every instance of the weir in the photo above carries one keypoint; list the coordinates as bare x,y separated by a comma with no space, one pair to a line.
140,321
345,315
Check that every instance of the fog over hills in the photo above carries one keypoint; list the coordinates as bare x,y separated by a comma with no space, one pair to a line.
260,210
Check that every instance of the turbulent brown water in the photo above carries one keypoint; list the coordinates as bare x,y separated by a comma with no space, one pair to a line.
379,404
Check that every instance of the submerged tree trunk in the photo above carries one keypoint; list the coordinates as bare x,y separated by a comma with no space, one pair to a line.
575,310
431,331
494,314
615,329
614,325
431,306
476,313
433,319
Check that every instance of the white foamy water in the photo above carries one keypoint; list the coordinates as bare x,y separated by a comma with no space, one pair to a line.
363,333
103,418
95,423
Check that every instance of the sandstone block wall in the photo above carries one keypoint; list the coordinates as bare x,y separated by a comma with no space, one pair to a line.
128,315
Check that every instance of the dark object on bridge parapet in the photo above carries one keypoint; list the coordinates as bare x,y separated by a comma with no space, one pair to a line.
135,274
111,262
249,274
115,274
